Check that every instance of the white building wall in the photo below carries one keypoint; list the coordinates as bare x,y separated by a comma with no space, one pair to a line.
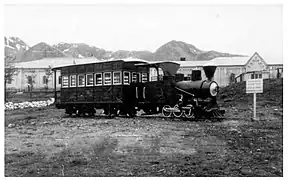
20,81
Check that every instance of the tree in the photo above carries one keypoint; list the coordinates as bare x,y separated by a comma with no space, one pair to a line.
48,74
10,71
31,81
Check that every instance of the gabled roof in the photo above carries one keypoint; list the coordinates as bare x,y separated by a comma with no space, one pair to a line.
253,56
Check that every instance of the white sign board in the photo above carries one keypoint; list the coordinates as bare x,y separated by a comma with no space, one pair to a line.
254,86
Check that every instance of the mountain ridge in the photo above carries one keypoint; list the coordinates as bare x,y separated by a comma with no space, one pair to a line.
172,50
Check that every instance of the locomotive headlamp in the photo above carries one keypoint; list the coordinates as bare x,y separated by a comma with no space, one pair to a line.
214,89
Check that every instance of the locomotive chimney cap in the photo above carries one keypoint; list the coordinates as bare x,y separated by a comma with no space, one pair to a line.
209,69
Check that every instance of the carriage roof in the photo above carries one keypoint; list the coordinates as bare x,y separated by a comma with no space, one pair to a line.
128,60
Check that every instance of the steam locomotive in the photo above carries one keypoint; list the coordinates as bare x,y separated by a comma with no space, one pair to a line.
123,87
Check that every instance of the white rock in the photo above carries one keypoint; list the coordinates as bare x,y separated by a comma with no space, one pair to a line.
11,125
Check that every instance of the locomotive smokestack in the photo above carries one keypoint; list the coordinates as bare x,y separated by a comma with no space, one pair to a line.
209,71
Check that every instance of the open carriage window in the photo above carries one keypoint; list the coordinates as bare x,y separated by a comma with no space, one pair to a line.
65,81
126,77
89,79
107,78
153,74
73,81
144,77
98,79
136,77
81,80
117,78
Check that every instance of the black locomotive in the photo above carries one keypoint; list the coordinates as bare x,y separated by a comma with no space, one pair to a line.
127,86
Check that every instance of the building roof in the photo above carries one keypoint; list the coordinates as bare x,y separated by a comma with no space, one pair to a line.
221,61
226,61
191,63
231,61
66,61
53,62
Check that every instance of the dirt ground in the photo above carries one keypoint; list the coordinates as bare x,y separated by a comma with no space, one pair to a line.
43,142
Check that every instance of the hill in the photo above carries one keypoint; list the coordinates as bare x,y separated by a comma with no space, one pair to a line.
236,93
172,50
14,47
40,51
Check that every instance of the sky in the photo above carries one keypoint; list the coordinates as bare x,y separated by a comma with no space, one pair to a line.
236,29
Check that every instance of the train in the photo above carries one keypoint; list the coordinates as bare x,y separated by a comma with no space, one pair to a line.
127,86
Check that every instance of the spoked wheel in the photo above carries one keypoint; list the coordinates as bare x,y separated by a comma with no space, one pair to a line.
189,113
177,114
165,111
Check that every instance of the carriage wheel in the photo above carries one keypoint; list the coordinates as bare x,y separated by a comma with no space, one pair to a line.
165,112
92,112
69,111
177,114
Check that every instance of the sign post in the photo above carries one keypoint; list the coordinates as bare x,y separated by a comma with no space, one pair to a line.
254,86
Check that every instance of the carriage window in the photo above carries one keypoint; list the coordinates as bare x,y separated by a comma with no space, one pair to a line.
98,79
73,81
153,74
65,81
161,74
126,77
107,78
89,79
144,77
116,77
81,80
135,77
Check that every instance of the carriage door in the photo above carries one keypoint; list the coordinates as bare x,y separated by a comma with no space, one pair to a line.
138,86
